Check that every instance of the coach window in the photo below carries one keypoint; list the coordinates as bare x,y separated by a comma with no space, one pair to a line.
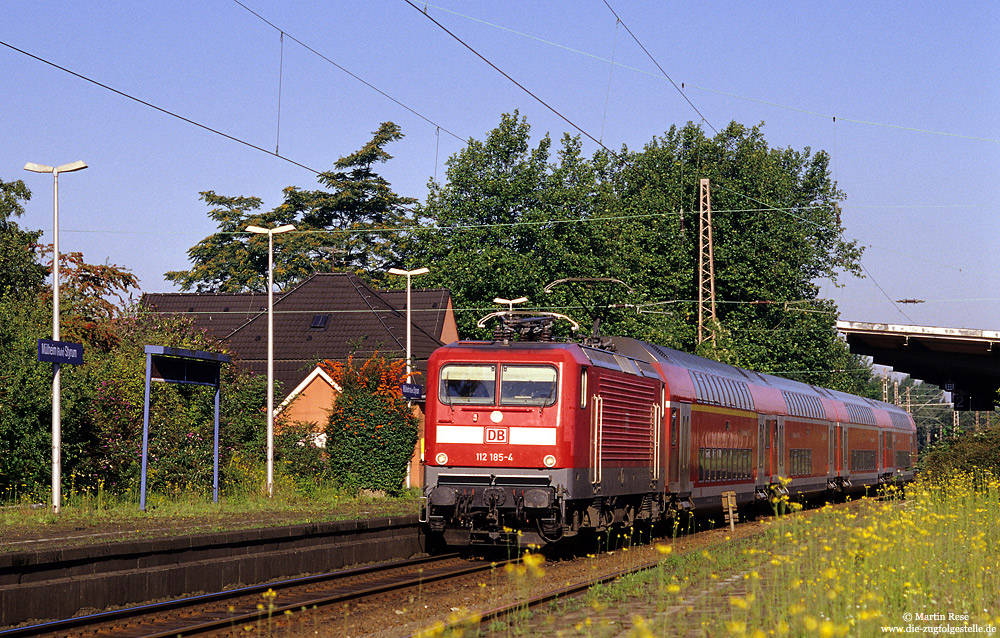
469,384
527,385
583,387
673,427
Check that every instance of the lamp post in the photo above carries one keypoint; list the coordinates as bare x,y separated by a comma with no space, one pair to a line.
409,323
56,373
270,232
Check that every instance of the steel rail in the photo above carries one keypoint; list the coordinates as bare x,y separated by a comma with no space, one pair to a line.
277,611
127,613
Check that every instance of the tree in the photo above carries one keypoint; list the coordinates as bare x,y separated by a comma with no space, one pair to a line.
508,221
20,272
25,396
359,224
91,296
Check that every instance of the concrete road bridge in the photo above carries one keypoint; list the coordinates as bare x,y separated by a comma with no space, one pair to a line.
962,361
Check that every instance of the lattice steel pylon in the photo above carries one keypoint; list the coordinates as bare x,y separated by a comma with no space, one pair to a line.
706,264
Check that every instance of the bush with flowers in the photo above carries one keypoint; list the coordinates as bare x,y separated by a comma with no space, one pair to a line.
372,431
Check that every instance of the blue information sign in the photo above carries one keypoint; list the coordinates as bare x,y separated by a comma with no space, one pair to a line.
412,390
60,351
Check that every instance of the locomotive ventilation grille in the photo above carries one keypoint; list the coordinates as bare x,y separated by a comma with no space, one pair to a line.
627,422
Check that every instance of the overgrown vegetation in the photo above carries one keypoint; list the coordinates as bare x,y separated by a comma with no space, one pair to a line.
835,572
372,430
964,453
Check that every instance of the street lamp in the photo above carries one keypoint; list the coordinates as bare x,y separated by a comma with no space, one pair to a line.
270,232
510,302
409,323
56,373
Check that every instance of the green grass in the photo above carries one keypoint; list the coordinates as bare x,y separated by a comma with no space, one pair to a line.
104,517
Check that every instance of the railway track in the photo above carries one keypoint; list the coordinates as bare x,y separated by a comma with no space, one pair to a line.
372,599
513,610
259,606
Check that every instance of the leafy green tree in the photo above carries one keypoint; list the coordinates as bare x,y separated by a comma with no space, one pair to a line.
508,221
25,397
359,223
20,272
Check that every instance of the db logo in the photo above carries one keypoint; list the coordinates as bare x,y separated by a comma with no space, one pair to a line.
496,435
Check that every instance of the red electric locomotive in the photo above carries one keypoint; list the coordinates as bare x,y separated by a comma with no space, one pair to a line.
544,439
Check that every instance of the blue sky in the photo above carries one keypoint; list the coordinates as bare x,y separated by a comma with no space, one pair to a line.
913,87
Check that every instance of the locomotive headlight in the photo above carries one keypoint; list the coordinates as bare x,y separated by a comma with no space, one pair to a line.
549,460
441,458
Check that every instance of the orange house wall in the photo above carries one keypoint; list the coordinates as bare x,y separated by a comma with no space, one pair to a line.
312,405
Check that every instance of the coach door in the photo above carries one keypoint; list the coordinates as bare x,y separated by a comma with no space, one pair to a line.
673,454
890,462
685,448
763,448
770,439
779,444
831,455
844,467
880,455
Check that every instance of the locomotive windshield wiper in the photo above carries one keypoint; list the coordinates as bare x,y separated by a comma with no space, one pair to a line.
552,390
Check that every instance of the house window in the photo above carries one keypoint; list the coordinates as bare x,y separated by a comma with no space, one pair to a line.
319,322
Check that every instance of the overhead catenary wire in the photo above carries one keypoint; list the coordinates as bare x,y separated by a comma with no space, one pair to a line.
845,119
611,73
281,68
816,224
275,154
353,75
686,85
503,73
160,108
650,56
599,141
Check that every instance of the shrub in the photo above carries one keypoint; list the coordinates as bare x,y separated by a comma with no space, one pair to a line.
969,451
372,431
298,457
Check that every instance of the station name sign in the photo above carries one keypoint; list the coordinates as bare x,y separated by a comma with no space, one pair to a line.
411,391
60,351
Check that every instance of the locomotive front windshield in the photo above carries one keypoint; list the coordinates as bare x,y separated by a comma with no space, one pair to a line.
469,383
527,385
476,384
